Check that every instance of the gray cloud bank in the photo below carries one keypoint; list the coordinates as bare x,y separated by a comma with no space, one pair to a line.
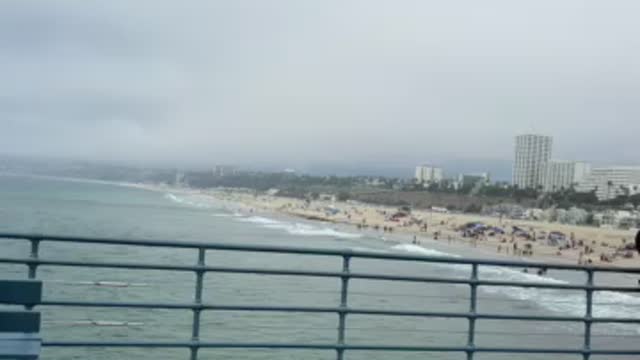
298,82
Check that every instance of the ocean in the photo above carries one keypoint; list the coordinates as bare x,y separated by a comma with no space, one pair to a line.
57,207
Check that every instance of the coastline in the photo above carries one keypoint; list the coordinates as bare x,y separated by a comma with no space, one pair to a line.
373,219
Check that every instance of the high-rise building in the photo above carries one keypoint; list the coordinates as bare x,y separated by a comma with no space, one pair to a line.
565,174
225,170
426,174
611,182
532,155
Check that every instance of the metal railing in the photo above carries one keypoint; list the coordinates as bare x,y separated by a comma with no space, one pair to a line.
343,310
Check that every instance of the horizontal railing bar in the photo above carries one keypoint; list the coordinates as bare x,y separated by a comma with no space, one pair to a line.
320,346
538,285
557,351
191,306
133,305
557,318
311,251
225,327
287,272
90,322
142,344
481,297
138,266
491,349
89,264
332,309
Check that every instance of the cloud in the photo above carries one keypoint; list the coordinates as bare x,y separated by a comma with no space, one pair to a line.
303,82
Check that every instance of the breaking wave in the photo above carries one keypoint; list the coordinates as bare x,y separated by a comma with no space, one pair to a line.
183,201
299,229
606,303
421,250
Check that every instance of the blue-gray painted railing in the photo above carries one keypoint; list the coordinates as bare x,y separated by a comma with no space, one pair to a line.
340,346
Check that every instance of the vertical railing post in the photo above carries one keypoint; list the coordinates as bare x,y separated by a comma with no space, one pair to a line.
342,315
33,267
472,311
195,330
588,316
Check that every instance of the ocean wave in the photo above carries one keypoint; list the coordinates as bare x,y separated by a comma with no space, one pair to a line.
606,303
299,229
259,220
307,230
183,201
416,249
366,249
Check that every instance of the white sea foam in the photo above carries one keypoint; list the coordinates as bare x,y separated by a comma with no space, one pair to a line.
366,249
299,229
572,303
421,250
259,220
308,230
172,197
183,201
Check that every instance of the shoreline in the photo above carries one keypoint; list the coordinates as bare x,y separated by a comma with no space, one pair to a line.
374,219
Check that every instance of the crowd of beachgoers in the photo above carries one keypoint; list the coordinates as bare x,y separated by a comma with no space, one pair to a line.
544,241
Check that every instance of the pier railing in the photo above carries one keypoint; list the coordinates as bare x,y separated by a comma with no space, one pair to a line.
343,310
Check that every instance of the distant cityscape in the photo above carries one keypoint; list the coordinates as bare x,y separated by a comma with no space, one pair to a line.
541,188
534,168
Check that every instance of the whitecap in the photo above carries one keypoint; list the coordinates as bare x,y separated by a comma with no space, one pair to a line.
259,220
606,303
299,229
221,215
308,230
416,249
183,201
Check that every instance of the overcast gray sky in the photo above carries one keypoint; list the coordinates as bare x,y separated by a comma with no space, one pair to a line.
206,82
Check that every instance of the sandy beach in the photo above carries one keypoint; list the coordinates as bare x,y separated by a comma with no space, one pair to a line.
588,245
593,245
